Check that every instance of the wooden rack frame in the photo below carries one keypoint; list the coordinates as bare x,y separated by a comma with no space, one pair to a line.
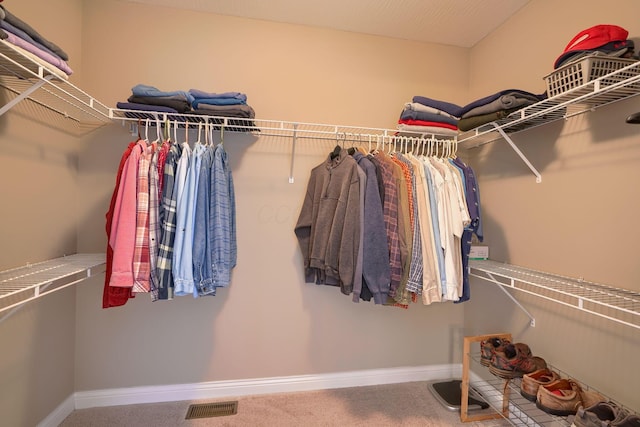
466,361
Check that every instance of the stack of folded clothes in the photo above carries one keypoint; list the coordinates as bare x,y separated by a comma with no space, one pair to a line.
599,40
193,102
495,107
149,98
226,104
426,115
26,40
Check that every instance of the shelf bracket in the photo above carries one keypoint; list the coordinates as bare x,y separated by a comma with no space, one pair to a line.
37,85
490,278
518,152
293,151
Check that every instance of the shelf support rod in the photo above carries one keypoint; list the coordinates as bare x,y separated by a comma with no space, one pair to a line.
293,152
9,105
518,152
507,293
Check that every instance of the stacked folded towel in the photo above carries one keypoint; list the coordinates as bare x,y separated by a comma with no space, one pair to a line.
427,115
26,40
495,107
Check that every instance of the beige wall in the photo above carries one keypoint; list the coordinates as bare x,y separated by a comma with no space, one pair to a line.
269,322
580,221
39,221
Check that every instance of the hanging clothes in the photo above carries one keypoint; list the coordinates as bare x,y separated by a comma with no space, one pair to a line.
328,225
115,296
171,224
423,215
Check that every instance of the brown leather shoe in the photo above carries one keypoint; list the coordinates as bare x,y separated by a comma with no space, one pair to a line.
489,347
564,396
514,361
531,382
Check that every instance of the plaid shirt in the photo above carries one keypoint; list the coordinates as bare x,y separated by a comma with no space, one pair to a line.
154,224
414,284
168,225
390,211
162,158
222,219
141,257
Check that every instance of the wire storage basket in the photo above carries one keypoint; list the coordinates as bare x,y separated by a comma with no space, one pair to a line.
576,74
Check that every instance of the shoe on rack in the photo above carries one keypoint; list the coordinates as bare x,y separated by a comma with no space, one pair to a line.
565,396
488,348
531,382
631,420
602,414
514,361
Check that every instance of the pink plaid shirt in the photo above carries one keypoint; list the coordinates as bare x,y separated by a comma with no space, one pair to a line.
141,257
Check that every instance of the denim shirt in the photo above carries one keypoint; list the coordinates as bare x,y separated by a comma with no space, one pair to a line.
202,275
222,224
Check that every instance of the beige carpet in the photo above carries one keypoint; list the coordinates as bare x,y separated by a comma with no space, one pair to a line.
406,404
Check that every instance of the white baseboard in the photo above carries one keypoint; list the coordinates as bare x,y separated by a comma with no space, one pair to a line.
223,389
63,410
234,388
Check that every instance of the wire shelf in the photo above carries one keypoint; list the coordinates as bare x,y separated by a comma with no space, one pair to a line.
521,412
619,305
615,86
47,93
23,284
301,130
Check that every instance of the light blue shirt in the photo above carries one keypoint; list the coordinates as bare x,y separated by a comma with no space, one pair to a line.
181,189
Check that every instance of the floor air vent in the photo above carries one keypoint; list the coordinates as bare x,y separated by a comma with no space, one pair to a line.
208,410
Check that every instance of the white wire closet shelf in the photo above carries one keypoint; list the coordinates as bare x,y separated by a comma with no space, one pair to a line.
23,284
281,128
378,138
41,92
615,86
615,304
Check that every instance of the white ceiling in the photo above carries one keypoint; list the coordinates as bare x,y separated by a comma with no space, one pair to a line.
453,22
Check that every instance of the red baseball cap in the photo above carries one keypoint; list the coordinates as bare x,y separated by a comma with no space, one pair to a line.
593,38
